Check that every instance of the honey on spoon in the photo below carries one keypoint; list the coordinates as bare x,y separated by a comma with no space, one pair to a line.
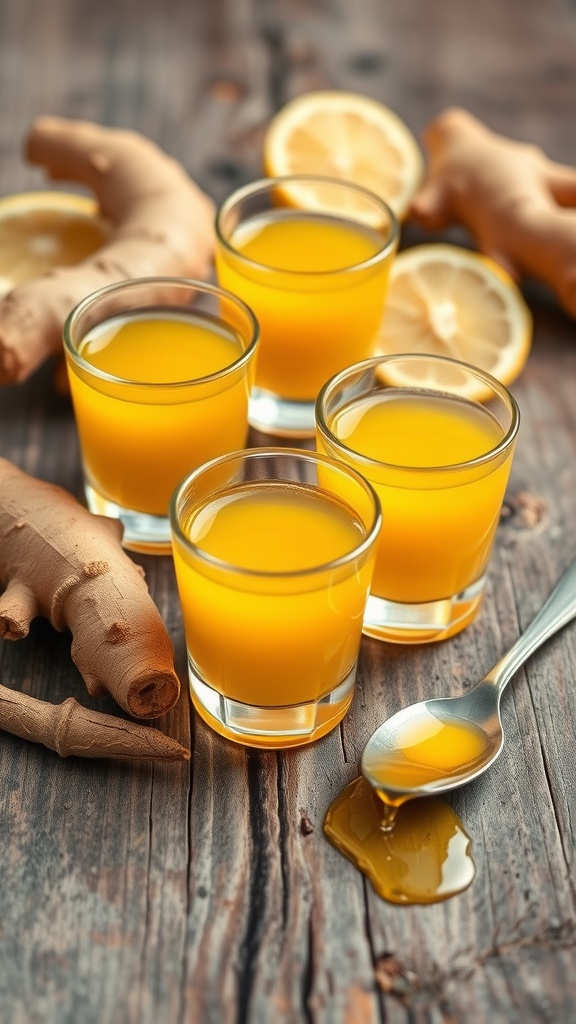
426,749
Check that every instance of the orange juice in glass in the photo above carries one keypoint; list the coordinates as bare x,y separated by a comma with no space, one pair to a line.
436,438
274,551
311,256
160,373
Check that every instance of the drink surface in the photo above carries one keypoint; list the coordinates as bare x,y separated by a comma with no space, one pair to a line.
315,292
275,527
305,243
417,431
438,523
160,349
140,436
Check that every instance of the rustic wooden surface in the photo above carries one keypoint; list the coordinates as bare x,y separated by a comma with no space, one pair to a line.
196,893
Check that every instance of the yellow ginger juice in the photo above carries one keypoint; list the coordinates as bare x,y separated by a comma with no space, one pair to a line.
151,404
317,285
272,618
440,509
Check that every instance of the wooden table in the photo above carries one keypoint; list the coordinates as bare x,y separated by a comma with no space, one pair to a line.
208,892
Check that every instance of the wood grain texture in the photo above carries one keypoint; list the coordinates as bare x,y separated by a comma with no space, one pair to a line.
207,892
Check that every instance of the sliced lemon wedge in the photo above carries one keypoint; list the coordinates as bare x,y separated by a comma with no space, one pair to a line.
43,230
349,136
447,300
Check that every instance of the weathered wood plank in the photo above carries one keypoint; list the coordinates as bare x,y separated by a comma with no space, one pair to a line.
208,892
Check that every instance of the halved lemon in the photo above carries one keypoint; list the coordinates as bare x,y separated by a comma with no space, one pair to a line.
447,300
349,136
43,230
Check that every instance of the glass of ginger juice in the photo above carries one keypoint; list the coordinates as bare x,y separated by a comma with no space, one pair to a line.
274,551
160,373
311,256
436,438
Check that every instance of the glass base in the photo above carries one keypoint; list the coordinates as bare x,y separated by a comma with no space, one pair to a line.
145,533
273,728
274,415
422,623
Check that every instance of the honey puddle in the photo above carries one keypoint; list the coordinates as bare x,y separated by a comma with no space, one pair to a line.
418,853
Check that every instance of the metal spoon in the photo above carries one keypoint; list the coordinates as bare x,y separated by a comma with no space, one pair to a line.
478,710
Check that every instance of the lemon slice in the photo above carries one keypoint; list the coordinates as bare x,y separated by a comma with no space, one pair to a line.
348,136
448,301
43,230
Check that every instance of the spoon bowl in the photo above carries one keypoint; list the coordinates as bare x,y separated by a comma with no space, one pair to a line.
439,744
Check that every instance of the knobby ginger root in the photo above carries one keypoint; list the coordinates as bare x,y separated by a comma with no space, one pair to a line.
519,206
71,729
60,561
162,225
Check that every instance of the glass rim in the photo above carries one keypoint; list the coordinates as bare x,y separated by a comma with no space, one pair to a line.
261,185
452,467
184,282
276,452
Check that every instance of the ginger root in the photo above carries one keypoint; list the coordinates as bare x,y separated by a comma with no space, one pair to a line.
60,561
71,729
519,206
162,225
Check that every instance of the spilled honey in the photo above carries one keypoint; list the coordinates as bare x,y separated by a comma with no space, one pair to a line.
419,854
427,749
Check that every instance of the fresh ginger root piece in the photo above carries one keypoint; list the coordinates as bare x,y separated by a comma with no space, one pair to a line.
71,729
60,561
519,206
162,225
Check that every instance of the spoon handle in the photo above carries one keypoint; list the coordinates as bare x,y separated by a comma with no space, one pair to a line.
557,611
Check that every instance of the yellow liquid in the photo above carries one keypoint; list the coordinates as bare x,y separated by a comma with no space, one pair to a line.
424,857
438,524
274,635
429,750
319,307
140,439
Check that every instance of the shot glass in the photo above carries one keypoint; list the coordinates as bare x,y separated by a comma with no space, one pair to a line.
436,438
160,373
274,551
311,256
